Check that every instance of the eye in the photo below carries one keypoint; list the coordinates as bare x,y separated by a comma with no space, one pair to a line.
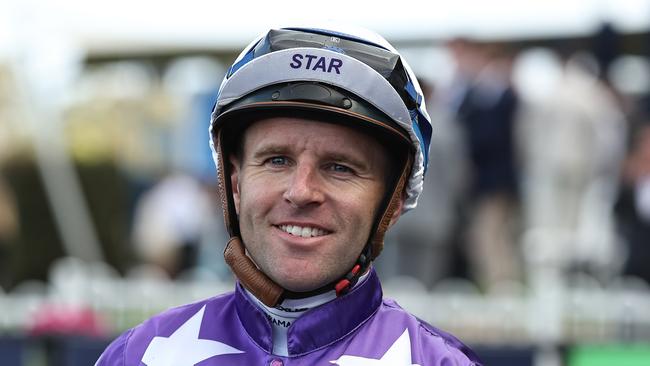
277,160
338,168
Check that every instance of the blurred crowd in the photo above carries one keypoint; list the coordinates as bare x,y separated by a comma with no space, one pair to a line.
541,156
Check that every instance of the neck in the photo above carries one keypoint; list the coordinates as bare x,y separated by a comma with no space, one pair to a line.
284,314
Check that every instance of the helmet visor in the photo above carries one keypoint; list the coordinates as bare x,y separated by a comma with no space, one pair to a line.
385,62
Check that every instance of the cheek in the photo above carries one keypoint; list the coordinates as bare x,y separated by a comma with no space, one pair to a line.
256,196
371,198
361,208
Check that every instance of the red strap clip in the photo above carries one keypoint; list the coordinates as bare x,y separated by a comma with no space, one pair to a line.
356,269
341,287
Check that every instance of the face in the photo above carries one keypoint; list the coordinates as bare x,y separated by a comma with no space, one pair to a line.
306,193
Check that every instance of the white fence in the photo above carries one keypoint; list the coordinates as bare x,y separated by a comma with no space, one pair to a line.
585,313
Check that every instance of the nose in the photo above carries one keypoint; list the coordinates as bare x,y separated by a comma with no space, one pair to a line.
304,187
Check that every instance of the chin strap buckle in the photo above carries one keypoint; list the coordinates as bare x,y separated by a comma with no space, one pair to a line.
342,287
345,284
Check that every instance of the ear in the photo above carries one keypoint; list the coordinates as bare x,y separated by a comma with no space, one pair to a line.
234,181
398,211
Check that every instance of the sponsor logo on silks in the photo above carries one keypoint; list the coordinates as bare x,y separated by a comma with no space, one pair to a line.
291,310
279,322
316,63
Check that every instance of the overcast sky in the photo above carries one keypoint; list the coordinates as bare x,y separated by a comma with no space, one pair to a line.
230,24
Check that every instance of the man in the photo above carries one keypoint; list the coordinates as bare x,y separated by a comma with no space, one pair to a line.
320,139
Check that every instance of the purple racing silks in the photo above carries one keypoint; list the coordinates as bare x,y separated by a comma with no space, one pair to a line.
358,329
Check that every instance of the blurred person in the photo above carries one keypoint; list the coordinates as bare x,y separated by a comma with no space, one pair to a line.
485,106
633,205
191,83
171,221
606,47
573,142
320,138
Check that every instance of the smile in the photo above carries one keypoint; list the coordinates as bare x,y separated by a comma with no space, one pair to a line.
302,231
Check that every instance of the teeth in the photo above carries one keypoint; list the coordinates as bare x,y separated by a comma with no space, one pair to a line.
304,232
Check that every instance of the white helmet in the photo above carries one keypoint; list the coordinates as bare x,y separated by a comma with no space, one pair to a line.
354,74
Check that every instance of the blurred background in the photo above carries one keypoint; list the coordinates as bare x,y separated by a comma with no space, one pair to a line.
531,241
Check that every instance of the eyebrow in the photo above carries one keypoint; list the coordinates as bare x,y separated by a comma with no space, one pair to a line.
282,149
270,149
347,158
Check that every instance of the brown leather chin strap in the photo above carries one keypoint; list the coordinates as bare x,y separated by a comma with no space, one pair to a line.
258,283
377,241
375,244
246,271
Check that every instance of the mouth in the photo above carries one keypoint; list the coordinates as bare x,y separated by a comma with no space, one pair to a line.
303,231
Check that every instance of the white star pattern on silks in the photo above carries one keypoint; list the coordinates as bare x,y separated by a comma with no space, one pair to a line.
399,354
183,347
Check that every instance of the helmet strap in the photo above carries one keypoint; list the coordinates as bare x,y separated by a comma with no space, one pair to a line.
377,240
249,275
375,245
